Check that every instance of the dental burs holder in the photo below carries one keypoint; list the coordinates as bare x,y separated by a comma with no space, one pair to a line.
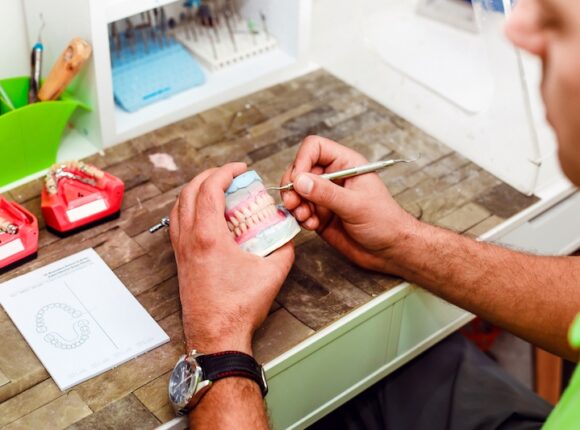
341,174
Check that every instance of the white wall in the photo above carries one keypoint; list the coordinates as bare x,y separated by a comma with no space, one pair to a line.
14,49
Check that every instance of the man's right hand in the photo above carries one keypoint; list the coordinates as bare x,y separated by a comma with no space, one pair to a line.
357,215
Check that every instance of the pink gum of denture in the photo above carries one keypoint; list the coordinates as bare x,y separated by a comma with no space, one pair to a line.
279,216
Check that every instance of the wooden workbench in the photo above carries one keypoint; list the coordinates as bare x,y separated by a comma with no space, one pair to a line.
263,129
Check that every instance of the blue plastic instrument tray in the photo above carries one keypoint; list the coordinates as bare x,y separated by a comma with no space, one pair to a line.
144,74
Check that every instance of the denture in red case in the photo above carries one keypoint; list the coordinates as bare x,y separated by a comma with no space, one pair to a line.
77,196
18,235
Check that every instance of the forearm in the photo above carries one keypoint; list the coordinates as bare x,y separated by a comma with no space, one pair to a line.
231,403
533,297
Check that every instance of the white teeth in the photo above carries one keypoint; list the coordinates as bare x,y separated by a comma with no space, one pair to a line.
255,213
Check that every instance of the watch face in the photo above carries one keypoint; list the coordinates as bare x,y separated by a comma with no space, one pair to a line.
182,383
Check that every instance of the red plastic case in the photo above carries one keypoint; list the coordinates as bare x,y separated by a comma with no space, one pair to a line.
76,204
23,245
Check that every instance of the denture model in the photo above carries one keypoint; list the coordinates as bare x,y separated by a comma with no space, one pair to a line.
77,195
259,226
18,235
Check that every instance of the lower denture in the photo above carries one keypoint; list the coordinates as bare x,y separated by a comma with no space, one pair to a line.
257,228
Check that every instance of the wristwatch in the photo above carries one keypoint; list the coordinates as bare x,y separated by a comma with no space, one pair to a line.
194,373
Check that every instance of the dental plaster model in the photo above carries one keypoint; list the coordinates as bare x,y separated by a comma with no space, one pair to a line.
76,195
18,235
259,226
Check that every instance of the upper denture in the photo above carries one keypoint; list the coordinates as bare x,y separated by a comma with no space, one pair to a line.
253,215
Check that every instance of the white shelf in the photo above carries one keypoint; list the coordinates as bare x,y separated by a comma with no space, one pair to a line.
107,124
116,10
75,146
226,84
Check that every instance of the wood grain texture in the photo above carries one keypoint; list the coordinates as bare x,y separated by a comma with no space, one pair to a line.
442,187
128,413
58,414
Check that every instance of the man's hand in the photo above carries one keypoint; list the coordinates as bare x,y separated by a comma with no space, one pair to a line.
225,291
357,216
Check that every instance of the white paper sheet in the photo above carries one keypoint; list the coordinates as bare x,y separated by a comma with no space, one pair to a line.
79,318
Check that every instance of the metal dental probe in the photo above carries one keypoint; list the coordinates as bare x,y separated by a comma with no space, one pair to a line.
36,65
130,35
164,25
264,25
144,29
227,15
349,173
163,223
115,39
341,174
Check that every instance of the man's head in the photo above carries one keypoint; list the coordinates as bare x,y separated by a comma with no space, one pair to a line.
550,29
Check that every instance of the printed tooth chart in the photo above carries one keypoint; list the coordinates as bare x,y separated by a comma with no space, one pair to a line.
79,318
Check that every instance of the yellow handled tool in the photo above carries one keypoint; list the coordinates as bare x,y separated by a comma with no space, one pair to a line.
67,66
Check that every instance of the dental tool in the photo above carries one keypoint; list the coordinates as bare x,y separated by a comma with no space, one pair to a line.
264,25
161,224
341,174
227,15
36,65
349,173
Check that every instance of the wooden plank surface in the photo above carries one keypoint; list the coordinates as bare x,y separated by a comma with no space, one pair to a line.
263,129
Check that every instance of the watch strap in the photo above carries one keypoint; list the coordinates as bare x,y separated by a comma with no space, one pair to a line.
232,363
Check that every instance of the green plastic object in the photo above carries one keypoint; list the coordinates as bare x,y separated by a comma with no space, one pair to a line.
30,134
574,333
566,414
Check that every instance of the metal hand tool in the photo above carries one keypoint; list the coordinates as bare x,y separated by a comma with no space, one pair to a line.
264,24
116,39
172,26
189,5
349,173
212,42
183,23
130,35
162,224
36,65
143,29
157,27
163,19
227,15
153,24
